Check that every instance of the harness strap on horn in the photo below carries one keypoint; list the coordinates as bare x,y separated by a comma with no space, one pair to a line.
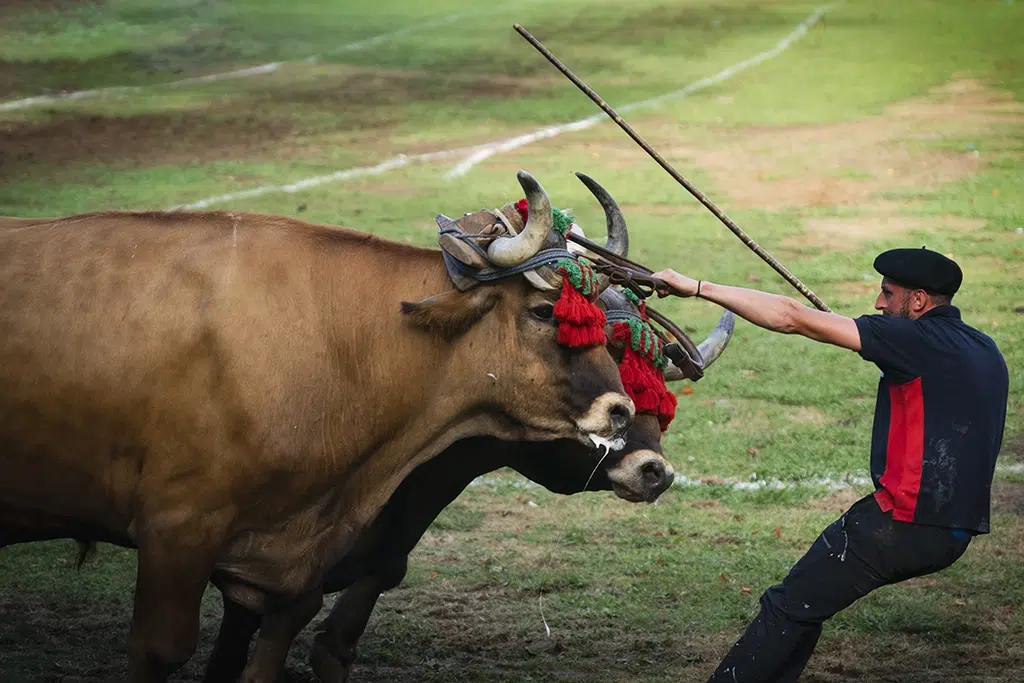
580,322
545,257
683,352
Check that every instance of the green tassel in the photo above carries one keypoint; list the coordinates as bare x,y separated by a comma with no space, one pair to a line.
646,342
580,274
635,330
562,220
573,271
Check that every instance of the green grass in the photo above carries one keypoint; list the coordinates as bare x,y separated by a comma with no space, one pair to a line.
652,593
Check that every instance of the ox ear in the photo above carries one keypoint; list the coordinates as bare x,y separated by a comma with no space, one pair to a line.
452,313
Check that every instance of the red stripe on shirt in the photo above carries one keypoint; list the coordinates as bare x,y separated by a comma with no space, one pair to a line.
905,452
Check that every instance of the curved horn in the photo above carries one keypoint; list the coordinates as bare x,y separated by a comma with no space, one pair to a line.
710,349
511,251
618,233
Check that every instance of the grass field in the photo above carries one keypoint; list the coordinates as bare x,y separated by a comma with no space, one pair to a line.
884,124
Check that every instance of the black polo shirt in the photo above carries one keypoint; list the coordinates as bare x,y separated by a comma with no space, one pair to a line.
939,417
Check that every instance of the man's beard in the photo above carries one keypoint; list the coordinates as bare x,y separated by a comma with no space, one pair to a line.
902,312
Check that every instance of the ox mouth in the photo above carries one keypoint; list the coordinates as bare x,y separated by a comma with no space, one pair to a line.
616,444
628,494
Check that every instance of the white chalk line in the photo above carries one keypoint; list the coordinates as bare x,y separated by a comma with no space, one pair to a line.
829,483
840,482
122,90
376,40
521,141
399,161
754,483
478,153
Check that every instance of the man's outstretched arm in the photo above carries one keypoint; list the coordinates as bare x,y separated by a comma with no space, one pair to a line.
770,311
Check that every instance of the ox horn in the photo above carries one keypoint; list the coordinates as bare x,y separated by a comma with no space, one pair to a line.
709,349
615,224
511,251
618,233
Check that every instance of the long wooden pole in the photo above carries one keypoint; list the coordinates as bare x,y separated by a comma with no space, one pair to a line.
690,187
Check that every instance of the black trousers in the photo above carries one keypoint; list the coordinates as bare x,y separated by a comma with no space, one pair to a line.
859,552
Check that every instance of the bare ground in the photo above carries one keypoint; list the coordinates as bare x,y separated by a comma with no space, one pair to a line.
182,138
844,165
839,164
11,6
443,630
343,107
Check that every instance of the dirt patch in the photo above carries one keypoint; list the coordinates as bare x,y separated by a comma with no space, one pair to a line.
135,141
807,415
1013,449
498,634
836,503
25,6
1008,498
286,119
847,163
844,164
349,85
915,658
847,234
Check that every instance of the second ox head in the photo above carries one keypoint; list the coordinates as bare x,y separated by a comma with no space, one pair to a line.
503,328
638,472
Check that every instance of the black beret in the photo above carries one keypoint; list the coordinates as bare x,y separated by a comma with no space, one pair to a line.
921,269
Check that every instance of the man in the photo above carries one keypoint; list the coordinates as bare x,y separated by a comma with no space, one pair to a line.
938,427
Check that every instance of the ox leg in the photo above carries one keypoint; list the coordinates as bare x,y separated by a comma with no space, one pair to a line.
277,631
334,647
165,620
231,651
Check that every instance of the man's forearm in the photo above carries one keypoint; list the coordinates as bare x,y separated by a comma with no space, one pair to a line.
770,311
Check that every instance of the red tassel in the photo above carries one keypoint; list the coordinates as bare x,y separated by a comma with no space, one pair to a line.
580,322
575,337
523,207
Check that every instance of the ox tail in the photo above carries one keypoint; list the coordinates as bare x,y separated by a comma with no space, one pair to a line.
86,551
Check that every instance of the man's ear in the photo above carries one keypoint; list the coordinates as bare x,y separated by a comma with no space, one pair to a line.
452,313
919,300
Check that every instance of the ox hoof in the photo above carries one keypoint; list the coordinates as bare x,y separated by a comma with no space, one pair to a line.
326,665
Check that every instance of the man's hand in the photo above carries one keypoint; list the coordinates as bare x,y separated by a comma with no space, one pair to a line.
680,284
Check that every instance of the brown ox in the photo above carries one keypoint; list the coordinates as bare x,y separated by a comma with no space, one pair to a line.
379,559
236,395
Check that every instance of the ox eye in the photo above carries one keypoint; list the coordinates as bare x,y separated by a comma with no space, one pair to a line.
543,312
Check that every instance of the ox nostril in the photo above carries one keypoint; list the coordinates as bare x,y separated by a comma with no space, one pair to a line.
621,417
653,473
